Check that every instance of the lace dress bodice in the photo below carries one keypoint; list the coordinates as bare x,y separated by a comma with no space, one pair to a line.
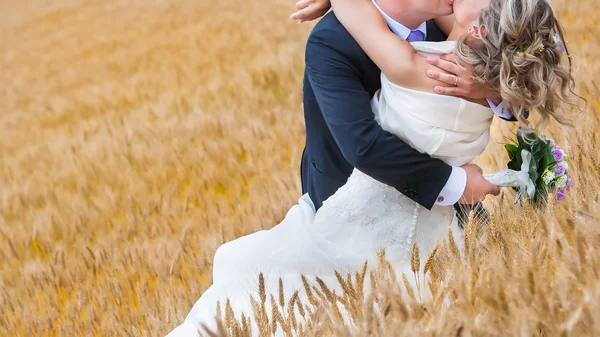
365,216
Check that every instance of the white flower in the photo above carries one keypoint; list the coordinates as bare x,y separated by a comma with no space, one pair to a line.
561,181
548,176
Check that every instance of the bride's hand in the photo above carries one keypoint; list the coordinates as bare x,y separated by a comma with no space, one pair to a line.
459,78
309,10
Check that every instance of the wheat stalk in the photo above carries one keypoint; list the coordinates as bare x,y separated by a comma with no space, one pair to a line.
409,288
415,265
307,288
452,244
281,294
430,261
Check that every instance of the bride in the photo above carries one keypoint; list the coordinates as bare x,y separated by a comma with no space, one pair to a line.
513,46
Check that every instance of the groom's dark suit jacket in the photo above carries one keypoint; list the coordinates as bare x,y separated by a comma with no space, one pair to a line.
341,131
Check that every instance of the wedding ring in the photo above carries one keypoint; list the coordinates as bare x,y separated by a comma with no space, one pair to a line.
456,83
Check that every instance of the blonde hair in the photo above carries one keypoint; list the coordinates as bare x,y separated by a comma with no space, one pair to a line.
521,59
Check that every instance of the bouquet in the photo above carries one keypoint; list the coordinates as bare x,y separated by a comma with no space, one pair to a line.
537,169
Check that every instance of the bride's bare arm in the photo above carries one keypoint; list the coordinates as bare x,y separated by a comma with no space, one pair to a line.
393,55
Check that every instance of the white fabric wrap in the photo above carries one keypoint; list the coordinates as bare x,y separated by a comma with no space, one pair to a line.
512,178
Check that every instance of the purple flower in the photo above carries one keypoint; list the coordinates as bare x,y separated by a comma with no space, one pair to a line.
560,169
560,45
551,142
560,195
569,182
558,154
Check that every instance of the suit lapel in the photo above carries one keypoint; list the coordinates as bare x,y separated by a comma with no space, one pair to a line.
434,33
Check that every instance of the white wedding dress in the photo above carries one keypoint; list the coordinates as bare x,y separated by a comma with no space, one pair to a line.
361,218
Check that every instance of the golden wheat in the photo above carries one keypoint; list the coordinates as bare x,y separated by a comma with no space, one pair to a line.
136,137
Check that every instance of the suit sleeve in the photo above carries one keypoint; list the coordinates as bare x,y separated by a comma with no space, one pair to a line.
345,105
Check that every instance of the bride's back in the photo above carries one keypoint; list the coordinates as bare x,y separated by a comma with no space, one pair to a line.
446,127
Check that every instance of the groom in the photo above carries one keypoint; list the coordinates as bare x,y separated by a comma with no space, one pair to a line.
342,134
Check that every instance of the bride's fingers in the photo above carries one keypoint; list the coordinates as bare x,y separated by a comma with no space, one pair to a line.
306,14
309,10
303,7
303,4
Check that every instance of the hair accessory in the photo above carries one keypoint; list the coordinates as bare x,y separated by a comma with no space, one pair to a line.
559,44
540,49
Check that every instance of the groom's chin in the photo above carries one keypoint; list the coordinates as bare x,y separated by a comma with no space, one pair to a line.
449,10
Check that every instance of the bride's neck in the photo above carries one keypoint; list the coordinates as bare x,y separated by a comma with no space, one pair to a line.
457,32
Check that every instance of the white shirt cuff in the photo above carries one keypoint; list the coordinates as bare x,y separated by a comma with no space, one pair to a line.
454,189
502,110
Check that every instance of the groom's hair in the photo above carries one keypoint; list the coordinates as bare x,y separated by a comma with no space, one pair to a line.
521,57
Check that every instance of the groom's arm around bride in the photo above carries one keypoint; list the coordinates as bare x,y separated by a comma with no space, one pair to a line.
342,133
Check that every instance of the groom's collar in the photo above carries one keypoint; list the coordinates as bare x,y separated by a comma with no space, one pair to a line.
398,28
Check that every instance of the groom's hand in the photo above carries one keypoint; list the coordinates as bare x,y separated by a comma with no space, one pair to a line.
477,186
459,79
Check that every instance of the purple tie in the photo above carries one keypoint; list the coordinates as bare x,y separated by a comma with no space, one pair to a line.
415,35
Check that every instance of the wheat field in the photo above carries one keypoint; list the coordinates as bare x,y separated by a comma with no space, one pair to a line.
138,136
